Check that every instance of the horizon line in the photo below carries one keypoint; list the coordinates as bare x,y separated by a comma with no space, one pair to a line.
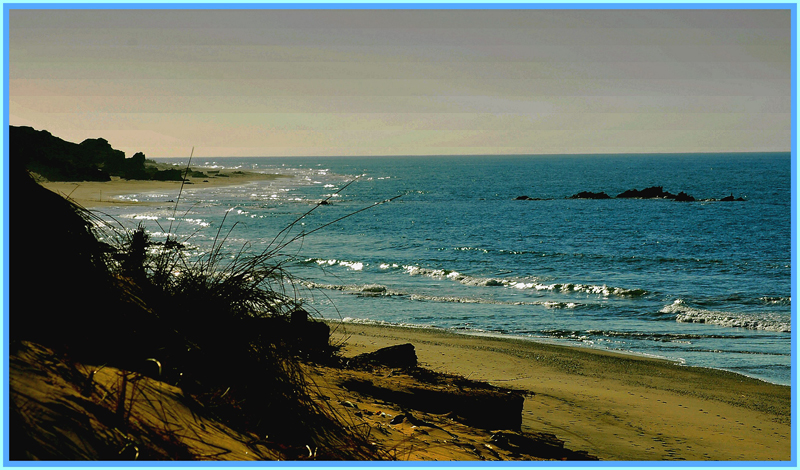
738,152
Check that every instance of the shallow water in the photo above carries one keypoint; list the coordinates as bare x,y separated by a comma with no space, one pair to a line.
707,283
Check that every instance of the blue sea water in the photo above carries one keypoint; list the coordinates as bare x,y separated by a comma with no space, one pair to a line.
706,283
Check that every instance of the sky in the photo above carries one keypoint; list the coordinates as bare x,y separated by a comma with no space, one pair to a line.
261,82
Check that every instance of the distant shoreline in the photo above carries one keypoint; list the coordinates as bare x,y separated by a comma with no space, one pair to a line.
91,194
472,155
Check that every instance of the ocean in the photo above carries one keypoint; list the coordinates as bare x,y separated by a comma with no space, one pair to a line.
704,283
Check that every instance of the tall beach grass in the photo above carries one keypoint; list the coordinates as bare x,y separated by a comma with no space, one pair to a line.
229,330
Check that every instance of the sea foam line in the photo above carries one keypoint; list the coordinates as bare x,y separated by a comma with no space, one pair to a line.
686,314
530,283
353,265
604,290
378,290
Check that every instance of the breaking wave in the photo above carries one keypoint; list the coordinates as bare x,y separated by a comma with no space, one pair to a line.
378,290
531,283
527,283
373,290
354,265
776,300
686,314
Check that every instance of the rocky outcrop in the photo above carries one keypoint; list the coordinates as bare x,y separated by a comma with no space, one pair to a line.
91,160
653,192
731,198
590,195
683,197
526,198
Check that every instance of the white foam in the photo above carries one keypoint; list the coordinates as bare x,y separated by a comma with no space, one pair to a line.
353,265
376,289
453,276
766,322
603,290
567,305
373,288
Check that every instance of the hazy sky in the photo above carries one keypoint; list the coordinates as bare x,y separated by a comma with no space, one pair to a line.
405,82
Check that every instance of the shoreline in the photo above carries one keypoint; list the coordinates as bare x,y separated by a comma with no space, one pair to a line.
90,194
563,344
614,405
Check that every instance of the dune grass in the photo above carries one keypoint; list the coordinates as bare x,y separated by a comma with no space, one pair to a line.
224,329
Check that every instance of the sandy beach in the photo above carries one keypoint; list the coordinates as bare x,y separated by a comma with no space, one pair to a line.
95,193
617,407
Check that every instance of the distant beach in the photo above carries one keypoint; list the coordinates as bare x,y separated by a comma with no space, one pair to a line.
91,194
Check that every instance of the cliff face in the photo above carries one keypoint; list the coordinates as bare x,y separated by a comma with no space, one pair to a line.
59,160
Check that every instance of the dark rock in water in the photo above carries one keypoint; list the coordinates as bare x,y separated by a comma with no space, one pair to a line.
590,195
653,192
731,198
522,198
401,355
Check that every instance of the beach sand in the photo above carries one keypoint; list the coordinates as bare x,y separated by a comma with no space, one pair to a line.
613,406
579,404
91,194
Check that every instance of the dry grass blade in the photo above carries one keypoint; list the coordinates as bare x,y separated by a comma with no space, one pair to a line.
218,327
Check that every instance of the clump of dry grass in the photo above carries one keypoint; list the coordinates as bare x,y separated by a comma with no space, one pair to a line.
221,327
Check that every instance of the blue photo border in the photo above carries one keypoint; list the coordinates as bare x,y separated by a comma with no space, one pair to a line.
370,4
